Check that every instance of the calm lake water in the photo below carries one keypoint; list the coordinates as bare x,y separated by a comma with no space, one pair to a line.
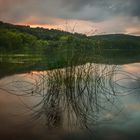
91,101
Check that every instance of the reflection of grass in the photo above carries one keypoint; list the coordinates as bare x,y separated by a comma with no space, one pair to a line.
79,92
74,97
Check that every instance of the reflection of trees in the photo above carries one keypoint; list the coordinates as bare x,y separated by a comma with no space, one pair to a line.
73,97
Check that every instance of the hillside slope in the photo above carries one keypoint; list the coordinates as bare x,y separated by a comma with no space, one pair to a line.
24,39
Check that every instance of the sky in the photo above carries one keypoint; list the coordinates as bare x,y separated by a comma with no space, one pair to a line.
90,17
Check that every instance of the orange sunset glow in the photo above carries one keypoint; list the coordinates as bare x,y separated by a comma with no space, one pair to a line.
90,17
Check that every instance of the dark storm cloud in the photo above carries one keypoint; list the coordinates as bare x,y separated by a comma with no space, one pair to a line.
135,8
79,4
94,10
103,9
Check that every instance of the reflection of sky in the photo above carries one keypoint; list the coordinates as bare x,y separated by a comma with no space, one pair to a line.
15,114
132,68
125,125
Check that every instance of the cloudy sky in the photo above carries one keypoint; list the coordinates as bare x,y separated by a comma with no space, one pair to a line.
85,16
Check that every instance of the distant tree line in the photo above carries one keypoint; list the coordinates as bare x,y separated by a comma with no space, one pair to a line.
23,39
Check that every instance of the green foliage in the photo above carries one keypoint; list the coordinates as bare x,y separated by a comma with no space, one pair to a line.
117,41
17,42
58,46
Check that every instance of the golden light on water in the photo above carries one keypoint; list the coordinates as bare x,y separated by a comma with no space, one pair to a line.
132,68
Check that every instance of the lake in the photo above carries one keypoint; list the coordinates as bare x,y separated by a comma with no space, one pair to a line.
85,101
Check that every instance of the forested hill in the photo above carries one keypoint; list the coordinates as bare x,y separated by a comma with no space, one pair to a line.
116,37
40,33
117,41
17,38
24,39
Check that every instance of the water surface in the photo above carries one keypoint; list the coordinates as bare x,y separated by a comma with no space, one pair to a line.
94,101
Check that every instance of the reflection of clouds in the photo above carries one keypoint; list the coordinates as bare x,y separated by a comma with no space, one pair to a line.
134,106
109,116
76,96
132,68
127,123
123,121
128,79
